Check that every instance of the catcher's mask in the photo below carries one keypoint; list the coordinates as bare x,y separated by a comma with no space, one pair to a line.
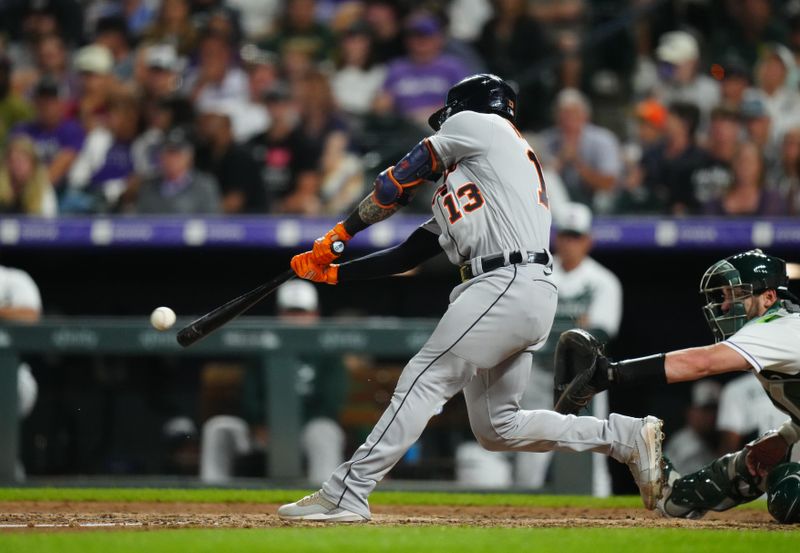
729,282
484,93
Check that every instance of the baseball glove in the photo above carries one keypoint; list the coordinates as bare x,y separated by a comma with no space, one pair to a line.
580,371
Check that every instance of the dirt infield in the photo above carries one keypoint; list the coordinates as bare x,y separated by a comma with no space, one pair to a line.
44,516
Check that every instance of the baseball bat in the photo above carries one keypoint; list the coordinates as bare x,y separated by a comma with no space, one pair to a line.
211,321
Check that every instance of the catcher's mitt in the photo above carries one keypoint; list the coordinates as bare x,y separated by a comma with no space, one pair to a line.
580,371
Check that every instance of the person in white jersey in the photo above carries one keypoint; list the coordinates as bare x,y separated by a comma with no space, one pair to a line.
755,320
491,218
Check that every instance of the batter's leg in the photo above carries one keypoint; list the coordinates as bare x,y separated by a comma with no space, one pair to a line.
499,424
427,382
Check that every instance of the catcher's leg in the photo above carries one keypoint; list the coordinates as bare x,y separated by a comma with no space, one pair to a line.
719,486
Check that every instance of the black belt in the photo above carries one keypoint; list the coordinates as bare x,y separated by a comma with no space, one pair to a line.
497,260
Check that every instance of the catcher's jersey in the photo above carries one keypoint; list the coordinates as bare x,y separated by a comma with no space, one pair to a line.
771,344
493,197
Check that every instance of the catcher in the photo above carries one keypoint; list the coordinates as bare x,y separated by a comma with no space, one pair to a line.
756,326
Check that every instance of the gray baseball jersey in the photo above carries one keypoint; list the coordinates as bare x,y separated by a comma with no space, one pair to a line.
493,198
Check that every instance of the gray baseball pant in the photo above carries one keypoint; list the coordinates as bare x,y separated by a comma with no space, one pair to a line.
482,345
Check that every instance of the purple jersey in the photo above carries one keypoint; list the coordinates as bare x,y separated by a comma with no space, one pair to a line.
414,87
68,135
118,164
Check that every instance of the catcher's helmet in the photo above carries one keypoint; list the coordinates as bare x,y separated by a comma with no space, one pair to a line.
484,93
783,491
727,283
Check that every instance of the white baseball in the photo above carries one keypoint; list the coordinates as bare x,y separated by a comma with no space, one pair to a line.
162,318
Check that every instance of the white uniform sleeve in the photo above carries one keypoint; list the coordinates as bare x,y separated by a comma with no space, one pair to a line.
732,414
771,346
463,135
605,310
22,291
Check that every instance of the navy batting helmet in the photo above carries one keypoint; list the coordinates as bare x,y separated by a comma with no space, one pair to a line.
484,93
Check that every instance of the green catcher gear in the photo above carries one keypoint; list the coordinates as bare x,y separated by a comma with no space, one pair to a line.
729,282
723,484
783,492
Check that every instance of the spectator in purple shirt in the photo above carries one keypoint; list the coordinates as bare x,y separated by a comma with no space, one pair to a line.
58,139
103,170
415,84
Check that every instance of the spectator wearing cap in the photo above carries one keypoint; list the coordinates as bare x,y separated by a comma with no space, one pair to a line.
58,138
112,32
642,158
288,169
695,445
735,85
416,84
299,27
668,166
160,117
680,79
161,74
709,180
24,186
14,109
96,84
216,77
230,163
758,127
747,195
103,169
233,443
777,80
178,188
586,156
173,26
358,79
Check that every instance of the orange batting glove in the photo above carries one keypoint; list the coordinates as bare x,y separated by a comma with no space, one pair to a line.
304,266
322,254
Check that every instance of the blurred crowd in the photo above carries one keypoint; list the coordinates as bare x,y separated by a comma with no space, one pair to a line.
292,106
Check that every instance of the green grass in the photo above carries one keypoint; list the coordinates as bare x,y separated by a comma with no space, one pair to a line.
368,539
213,495
217,495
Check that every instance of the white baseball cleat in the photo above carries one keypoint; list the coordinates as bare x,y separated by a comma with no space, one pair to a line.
315,507
646,462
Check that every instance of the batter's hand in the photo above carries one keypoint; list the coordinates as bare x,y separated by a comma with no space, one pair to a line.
304,266
765,452
322,253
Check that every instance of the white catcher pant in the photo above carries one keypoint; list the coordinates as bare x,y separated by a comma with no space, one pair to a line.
479,347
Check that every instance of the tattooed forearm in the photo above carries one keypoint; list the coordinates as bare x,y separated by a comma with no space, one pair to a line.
372,213
369,213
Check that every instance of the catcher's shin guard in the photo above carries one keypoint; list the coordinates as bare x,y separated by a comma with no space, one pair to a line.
723,484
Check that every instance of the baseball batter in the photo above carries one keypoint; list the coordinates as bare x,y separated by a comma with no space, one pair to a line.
491,217
756,323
